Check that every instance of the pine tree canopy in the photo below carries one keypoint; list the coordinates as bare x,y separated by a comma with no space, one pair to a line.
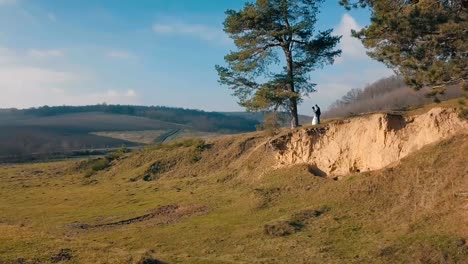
269,33
426,41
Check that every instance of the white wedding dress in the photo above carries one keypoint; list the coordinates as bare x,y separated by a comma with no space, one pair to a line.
314,119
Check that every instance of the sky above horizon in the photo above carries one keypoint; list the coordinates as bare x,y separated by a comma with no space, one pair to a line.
147,52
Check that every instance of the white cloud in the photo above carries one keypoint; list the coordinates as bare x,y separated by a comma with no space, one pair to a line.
203,32
23,87
43,54
24,76
351,47
120,54
131,93
24,84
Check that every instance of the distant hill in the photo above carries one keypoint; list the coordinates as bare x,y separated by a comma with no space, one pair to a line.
65,129
197,119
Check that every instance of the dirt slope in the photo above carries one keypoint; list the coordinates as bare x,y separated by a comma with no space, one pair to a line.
365,143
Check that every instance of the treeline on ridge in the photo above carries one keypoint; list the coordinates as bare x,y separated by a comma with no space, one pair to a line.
197,119
389,93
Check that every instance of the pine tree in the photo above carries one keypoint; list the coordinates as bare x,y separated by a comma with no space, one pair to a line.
424,40
267,33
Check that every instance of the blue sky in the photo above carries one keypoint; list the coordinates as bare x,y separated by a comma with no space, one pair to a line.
148,52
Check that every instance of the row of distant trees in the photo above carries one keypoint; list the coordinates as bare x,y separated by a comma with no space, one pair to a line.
390,93
196,119
424,41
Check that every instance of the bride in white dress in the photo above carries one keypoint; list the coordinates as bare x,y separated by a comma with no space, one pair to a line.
314,116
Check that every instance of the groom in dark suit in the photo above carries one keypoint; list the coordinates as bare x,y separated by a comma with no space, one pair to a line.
318,113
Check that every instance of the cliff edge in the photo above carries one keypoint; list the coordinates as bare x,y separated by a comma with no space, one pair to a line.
365,143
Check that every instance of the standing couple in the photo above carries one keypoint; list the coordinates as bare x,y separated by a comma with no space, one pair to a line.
316,115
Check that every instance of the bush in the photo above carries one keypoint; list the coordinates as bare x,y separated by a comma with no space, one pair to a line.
149,177
181,143
100,164
91,166
271,124
201,145
117,154
196,157
152,173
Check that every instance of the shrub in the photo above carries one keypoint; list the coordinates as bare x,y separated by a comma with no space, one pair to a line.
196,157
152,173
270,124
149,177
91,166
155,168
100,164
117,154
201,145
191,142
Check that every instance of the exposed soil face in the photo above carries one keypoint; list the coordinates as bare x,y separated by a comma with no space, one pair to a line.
365,143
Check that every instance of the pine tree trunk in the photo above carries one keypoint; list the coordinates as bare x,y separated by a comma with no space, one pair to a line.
290,87
294,115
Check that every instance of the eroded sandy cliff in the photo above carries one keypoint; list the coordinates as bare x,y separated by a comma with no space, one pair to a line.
365,143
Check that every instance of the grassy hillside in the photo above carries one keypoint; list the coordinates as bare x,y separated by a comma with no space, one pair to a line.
222,202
